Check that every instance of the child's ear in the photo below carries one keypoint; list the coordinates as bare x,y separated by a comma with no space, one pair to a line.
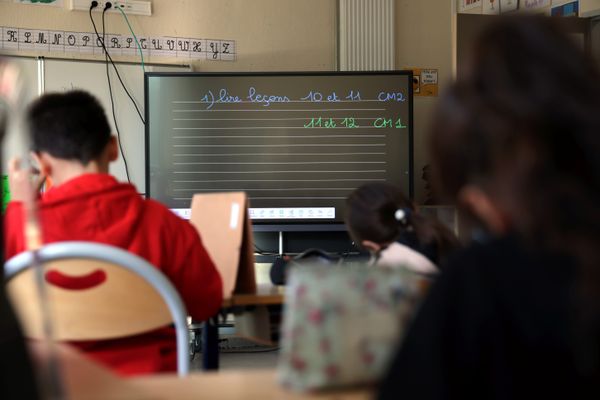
112,149
371,246
42,162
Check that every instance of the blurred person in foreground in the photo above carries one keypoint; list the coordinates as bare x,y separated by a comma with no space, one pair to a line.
16,372
516,144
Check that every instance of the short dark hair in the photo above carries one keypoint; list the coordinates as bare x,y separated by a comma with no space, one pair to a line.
70,125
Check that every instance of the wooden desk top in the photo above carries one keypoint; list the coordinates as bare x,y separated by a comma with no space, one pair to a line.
86,380
81,378
229,385
265,295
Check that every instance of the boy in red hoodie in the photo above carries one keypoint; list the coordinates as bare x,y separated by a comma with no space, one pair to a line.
73,146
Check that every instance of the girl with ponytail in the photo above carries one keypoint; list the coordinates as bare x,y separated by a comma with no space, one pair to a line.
382,220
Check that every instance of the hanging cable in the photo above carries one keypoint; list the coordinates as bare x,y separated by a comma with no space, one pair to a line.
113,63
118,7
112,103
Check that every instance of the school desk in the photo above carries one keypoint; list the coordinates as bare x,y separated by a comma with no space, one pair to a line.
227,385
266,294
84,379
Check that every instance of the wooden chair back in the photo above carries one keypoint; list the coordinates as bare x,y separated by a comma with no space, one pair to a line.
88,300
93,291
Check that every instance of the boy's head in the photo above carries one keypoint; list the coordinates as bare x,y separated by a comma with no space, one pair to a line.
69,126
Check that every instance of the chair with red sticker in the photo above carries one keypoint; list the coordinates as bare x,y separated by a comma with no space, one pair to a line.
94,292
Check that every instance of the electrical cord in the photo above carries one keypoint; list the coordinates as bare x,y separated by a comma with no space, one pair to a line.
112,103
111,60
132,33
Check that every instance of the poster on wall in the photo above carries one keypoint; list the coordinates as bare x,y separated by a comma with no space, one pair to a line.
508,5
566,10
425,81
465,5
491,7
56,3
533,4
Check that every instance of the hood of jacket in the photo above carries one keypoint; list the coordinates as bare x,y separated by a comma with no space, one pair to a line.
92,207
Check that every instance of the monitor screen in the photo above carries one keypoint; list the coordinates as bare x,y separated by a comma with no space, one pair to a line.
296,143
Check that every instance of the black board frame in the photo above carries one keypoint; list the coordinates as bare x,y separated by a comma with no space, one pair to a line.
289,226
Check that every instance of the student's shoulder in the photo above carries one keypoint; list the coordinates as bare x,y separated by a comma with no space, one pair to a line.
397,254
486,256
507,265
481,265
157,207
13,207
13,213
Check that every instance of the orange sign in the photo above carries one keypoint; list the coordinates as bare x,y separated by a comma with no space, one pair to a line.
425,81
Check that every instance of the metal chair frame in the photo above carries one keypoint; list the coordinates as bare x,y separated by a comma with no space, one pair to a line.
110,254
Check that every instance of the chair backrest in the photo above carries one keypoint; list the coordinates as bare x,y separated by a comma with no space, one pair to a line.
95,292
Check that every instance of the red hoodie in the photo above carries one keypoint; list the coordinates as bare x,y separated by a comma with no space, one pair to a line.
97,208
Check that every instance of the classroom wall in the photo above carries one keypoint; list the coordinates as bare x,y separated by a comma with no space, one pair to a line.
274,35
424,39
277,35
269,34
521,7
281,35
587,8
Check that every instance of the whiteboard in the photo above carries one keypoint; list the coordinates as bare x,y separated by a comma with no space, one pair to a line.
62,75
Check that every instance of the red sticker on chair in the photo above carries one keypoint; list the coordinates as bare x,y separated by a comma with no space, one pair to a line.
82,282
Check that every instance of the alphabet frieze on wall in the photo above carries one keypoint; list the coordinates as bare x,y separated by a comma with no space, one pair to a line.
24,39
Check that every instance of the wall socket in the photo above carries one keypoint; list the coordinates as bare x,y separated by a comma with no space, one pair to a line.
131,7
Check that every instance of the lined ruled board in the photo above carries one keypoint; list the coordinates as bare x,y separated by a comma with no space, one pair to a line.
298,144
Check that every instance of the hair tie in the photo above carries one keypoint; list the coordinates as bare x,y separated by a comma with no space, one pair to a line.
401,215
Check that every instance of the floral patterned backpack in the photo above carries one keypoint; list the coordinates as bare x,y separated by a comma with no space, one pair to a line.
343,323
